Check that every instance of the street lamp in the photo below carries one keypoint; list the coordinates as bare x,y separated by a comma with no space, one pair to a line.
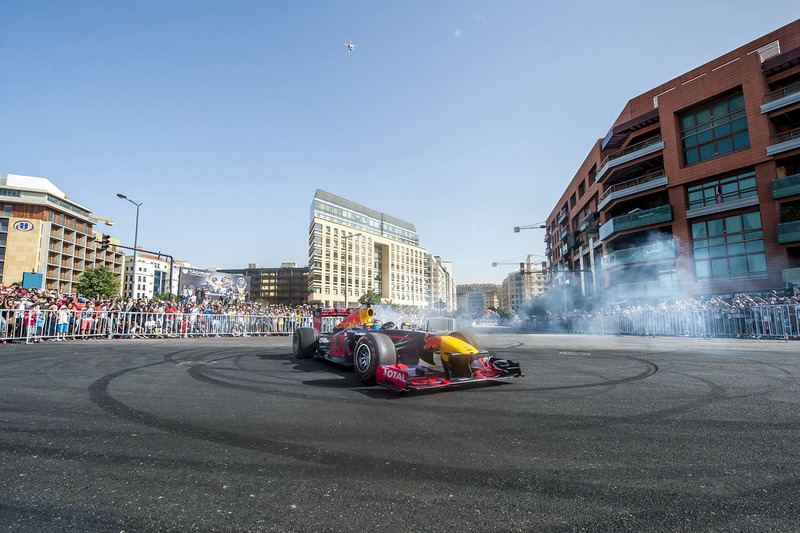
135,239
346,273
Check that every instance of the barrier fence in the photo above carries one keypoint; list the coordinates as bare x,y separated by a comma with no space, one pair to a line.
30,325
52,325
761,322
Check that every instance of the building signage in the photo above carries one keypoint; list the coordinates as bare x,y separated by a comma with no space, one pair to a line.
23,225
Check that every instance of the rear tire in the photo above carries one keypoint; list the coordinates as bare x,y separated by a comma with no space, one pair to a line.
304,343
372,350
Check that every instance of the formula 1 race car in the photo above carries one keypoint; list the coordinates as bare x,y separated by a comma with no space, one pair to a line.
401,359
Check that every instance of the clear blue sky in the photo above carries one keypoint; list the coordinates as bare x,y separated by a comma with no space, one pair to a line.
464,117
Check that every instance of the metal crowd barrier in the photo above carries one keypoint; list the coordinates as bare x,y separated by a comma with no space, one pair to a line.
760,322
32,325
440,324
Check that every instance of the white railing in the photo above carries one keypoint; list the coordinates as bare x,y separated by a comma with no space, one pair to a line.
37,325
50,325
758,322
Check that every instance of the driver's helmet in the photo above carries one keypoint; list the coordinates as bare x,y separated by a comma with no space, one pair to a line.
376,323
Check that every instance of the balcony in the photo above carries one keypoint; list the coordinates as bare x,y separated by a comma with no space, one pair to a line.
788,186
789,232
574,241
636,185
587,223
644,254
784,142
636,220
561,215
791,275
644,289
629,154
781,98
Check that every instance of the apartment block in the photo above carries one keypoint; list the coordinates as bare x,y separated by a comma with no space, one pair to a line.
695,188
149,275
353,249
440,283
44,232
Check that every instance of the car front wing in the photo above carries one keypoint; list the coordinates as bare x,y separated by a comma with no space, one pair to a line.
403,378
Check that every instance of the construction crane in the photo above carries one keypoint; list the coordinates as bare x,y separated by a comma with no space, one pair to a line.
108,222
526,266
538,225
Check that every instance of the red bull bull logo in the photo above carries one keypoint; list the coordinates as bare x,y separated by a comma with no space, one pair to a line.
432,342
356,318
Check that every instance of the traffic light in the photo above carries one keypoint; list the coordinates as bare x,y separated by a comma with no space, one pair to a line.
106,242
544,267
522,268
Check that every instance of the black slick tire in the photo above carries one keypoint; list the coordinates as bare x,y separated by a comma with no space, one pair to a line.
372,350
304,343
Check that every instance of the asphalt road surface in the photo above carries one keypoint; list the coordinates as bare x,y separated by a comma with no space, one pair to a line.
602,434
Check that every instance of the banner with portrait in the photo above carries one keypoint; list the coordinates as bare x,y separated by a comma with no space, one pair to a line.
214,285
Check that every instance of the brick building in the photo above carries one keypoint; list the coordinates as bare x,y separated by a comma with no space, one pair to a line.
695,189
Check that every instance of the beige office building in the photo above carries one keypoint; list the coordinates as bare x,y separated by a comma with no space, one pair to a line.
519,287
477,297
353,249
44,232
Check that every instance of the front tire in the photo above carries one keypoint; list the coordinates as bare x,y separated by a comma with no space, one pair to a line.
372,350
304,343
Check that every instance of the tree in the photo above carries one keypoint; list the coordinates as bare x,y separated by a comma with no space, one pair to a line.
505,313
370,296
100,281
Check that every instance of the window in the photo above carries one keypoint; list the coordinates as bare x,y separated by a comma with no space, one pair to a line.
722,190
714,129
729,248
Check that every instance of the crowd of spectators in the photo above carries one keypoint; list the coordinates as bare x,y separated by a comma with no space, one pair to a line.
737,302
33,315
773,313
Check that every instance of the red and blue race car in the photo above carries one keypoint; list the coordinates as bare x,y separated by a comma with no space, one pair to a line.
401,359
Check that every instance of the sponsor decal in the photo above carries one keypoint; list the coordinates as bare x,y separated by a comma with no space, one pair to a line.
23,225
432,342
396,375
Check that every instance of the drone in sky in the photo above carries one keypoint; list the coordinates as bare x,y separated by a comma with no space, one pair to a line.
350,46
